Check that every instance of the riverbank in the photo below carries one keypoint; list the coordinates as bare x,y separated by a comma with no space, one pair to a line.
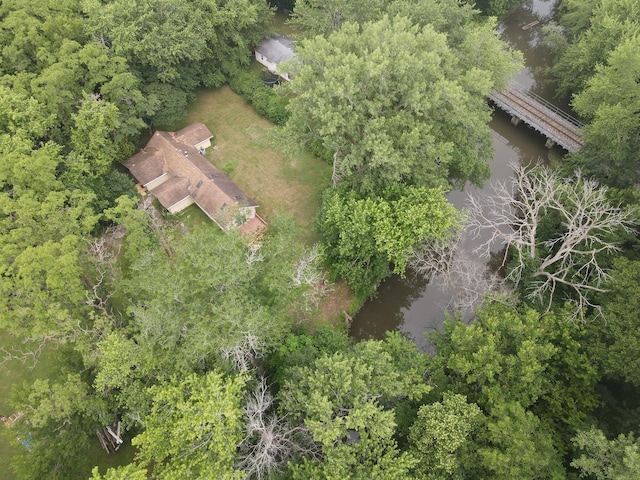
412,305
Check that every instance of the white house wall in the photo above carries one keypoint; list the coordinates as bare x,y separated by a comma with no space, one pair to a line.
273,67
157,181
203,144
181,205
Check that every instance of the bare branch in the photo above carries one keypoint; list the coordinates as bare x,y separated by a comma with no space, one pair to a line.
244,353
254,254
511,217
455,271
269,442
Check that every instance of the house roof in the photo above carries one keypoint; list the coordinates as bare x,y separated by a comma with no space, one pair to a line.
146,165
277,48
172,191
193,134
189,174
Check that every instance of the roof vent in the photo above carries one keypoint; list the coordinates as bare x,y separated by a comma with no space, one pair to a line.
199,184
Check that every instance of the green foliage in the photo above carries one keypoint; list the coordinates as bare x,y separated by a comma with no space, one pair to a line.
516,444
207,296
496,7
613,344
264,99
128,472
175,46
343,400
441,435
322,17
138,238
604,459
501,357
396,104
451,17
194,427
362,237
304,349
597,28
611,101
60,418
532,378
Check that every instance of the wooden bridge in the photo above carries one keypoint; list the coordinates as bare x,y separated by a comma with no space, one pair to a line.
558,126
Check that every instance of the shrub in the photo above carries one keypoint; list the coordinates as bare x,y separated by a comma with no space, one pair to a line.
264,99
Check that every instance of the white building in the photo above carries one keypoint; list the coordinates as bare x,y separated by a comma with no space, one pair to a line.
273,51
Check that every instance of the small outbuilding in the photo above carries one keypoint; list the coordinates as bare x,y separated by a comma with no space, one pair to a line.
273,51
173,169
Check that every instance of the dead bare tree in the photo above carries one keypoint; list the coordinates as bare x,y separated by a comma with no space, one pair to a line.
512,216
254,253
269,441
244,353
466,277
266,446
308,272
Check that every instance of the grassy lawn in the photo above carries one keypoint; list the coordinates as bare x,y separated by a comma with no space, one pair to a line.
280,25
279,183
14,372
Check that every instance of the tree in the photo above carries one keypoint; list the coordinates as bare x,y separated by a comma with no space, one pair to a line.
268,443
344,401
395,105
508,364
611,101
518,446
193,428
564,262
175,46
441,435
496,7
128,472
605,459
212,300
322,17
609,22
60,419
362,237
30,31
613,343
453,18
457,271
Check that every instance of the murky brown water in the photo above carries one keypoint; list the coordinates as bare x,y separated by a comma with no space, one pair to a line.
411,305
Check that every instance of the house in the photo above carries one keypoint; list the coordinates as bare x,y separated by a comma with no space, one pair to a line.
273,51
173,169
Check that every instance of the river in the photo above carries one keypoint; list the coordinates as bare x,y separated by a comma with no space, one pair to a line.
412,306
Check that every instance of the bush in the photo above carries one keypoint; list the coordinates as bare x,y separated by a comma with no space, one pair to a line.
264,99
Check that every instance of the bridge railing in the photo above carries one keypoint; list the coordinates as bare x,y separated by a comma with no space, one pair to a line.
547,104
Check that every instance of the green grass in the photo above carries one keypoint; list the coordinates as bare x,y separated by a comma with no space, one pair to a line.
15,372
281,26
278,182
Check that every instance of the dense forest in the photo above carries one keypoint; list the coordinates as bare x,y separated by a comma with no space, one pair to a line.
206,348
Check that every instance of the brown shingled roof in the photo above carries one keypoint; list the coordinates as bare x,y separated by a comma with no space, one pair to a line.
193,134
189,174
147,164
172,191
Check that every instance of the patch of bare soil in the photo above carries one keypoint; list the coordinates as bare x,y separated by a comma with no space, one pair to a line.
337,305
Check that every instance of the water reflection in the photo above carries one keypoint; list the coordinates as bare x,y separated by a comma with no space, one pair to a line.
412,305
404,292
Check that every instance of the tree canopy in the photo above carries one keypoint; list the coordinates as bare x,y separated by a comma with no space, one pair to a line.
395,104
